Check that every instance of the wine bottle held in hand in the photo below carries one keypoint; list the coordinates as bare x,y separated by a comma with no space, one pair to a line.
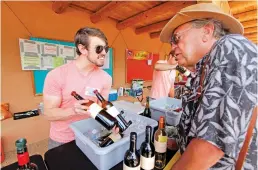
147,112
147,157
98,113
110,108
132,157
160,144
23,156
112,138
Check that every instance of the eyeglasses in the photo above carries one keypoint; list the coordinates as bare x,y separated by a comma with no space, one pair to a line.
100,48
176,37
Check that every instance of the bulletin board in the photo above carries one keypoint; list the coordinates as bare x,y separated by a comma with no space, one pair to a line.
139,68
39,76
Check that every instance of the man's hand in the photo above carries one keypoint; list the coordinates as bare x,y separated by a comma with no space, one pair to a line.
115,130
80,108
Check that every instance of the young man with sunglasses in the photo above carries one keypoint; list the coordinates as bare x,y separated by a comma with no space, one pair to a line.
82,75
217,127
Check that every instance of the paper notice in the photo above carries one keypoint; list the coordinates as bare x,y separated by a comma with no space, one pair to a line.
50,50
30,63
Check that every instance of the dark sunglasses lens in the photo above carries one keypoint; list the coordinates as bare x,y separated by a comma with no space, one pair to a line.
174,39
99,49
106,49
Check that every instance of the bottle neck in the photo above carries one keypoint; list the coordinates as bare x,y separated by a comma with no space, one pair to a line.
161,125
100,97
78,97
147,103
148,137
133,145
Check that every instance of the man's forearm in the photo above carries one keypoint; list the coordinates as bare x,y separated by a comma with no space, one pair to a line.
199,155
58,113
164,66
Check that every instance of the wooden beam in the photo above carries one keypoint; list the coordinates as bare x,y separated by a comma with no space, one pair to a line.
253,40
79,8
60,6
248,24
246,16
155,34
251,34
153,12
151,28
242,6
223,4
250,30
106,10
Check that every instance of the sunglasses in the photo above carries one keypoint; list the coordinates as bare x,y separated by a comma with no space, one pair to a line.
100,48
176,37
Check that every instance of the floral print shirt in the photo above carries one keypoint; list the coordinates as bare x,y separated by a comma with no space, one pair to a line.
222,114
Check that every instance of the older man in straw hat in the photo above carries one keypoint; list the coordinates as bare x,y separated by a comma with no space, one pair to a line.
217,128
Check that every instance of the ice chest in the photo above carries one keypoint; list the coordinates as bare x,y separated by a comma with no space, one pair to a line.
107,157
158,108
112,95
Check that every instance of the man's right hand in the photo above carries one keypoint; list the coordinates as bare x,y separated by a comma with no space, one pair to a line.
80,108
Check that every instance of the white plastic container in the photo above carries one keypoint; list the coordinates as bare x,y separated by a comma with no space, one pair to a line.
158,108
107,157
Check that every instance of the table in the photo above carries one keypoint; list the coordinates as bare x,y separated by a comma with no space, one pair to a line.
37,159
70,157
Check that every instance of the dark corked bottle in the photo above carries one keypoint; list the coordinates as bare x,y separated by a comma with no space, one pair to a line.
23,156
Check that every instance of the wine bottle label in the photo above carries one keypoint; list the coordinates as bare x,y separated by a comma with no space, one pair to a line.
147,163
187,73
115,136
160,147
94,109
23,158
113,111
125,167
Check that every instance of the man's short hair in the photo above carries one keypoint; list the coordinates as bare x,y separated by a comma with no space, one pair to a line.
83,34
219,30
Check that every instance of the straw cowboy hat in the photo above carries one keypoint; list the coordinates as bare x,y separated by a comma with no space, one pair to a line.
200,11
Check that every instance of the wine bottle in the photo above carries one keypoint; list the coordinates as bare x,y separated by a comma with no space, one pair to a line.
183,70
110,108
132,157
112,138
98,113
147,151
147,112
23,156
160,143
186,73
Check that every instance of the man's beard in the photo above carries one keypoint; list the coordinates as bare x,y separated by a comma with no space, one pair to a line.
94,62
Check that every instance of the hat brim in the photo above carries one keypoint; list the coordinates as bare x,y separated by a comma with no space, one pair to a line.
229,22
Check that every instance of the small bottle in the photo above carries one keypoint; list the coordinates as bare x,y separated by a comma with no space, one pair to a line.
23,156
186,73
132,157
160,143
147,112
147,151
110,108
112,138
183,70
98,113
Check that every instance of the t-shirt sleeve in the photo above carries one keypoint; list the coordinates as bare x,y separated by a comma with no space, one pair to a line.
106,88
53,83
229,98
